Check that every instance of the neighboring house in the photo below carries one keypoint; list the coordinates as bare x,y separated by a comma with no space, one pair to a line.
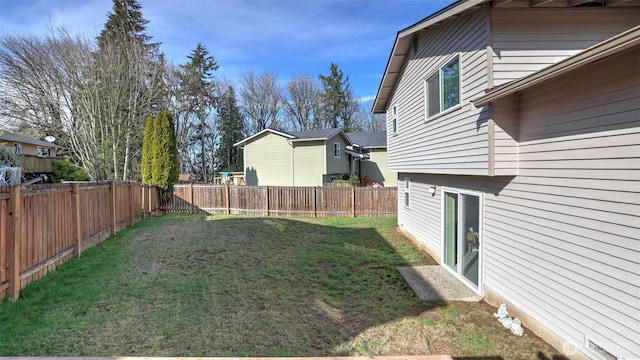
369,157
515,129
300,158
35,155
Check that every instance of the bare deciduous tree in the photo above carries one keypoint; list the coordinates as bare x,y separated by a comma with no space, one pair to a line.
304,95
94,102
261,100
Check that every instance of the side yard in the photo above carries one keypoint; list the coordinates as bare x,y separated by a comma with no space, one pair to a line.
198,285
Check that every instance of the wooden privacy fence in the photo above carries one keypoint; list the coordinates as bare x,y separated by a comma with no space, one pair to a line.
41,226
326,201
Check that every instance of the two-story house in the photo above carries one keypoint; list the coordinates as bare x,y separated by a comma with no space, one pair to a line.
297,158
514,126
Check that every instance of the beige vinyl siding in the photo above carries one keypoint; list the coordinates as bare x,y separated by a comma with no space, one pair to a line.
28,149
560,239
576,202
308,163
526,40
267,161
423,217
337,165
455,142
377,168
505,132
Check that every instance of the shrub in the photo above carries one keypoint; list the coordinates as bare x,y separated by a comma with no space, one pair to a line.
8,157
64,170
352,180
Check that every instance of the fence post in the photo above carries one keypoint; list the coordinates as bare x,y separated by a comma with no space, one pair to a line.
77,232
143,200
114,220
228,199
191,207
152,201
267,197
132,211
13,245
353,201
315,201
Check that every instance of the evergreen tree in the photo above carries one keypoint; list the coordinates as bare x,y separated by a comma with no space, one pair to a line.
338,102
165,154
197,82
125,24
147,152
231,131
131,86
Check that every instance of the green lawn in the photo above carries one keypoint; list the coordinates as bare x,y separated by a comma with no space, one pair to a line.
248,286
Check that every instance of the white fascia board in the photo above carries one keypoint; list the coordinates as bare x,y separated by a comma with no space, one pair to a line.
242,142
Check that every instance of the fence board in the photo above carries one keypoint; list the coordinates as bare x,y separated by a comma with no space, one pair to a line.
326,201
39,224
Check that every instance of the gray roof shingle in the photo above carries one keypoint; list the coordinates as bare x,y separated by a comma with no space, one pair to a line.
13,137
369,139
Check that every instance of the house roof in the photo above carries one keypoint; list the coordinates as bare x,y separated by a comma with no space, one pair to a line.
246,140
403,43
369,139
13,137
613,45
295,136
320,134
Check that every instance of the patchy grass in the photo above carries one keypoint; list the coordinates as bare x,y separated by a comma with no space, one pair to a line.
247,286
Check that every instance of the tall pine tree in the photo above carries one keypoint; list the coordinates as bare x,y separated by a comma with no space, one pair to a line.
125,24
165,154
232,130
338,102
198,83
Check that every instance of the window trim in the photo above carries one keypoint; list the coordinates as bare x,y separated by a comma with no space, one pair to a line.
480,195
336,150
17,148
407,192
425,86
394,122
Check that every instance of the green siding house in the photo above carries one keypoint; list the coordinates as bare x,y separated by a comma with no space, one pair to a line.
299,158
369,157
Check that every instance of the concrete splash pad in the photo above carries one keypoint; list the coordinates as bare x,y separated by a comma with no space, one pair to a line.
435,283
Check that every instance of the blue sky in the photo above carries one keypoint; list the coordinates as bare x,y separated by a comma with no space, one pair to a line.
286,37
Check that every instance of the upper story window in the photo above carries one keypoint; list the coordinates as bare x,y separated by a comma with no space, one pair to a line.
44,152
442,89
17,148
336,150
393,116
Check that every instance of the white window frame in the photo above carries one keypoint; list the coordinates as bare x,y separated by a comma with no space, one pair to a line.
407,192
479,289
336,150
438,72
393,116
17,148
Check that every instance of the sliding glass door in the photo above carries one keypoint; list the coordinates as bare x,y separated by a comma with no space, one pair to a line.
461,229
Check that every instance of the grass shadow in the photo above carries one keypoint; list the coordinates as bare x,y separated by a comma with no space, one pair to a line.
197,285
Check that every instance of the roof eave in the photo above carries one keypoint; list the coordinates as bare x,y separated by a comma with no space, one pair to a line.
402,45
